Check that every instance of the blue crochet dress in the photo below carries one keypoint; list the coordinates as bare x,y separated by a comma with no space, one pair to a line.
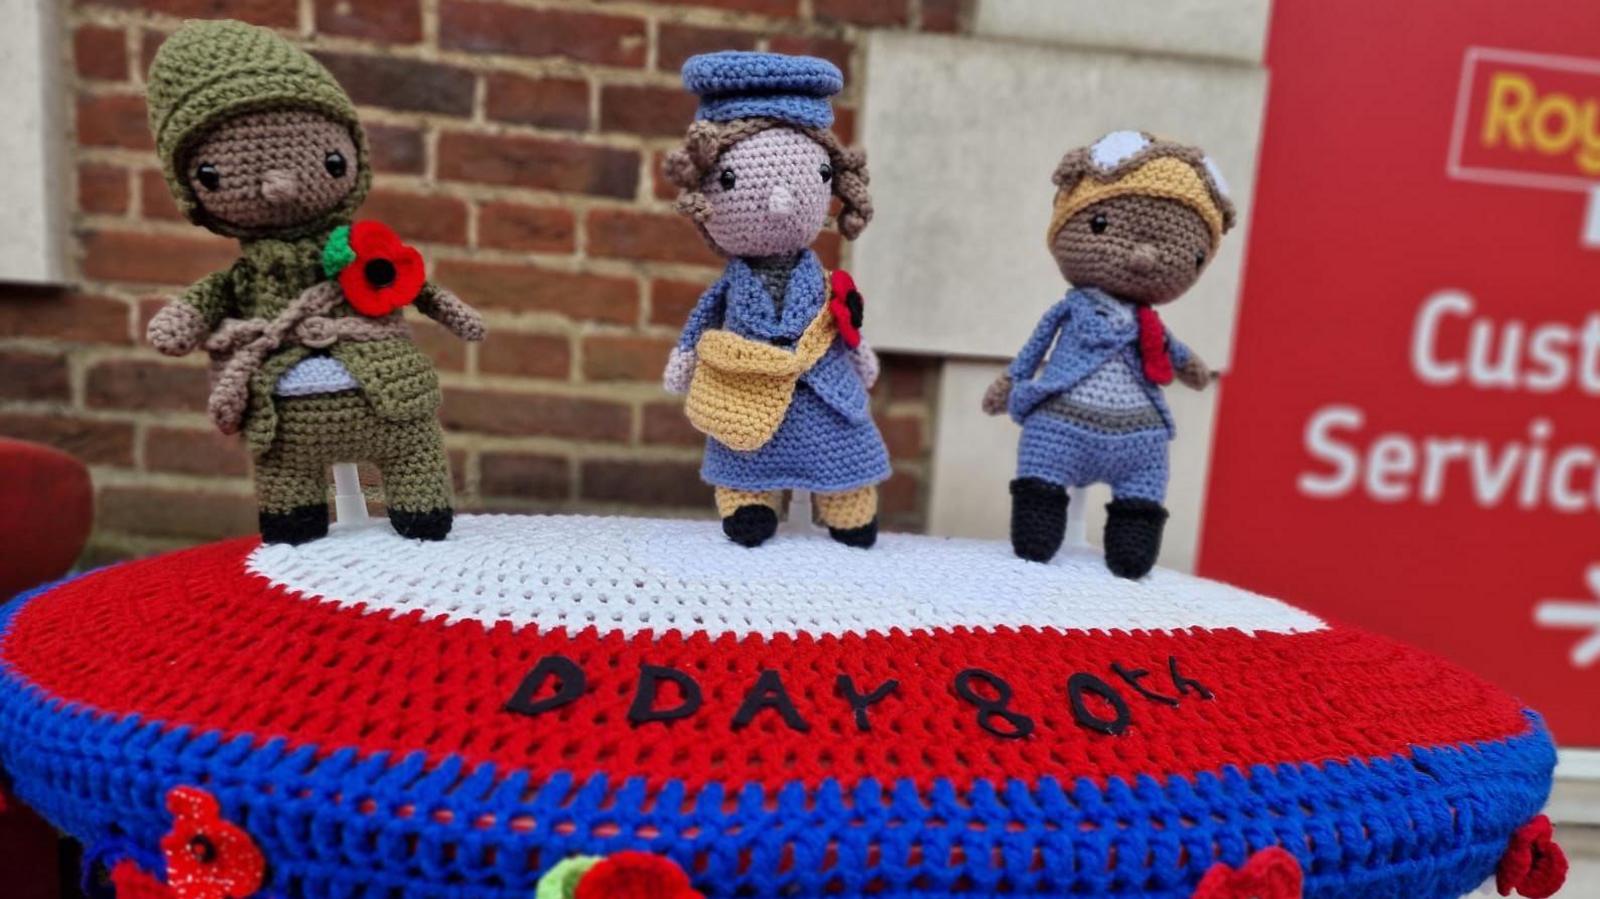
827,442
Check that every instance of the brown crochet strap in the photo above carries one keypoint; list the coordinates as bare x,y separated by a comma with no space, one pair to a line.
239,347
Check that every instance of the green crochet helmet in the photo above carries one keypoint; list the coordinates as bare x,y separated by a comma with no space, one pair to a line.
210,71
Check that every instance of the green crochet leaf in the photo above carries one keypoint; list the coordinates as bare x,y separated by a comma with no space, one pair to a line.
337,252
561,882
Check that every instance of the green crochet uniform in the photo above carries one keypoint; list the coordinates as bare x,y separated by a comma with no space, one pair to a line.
204,76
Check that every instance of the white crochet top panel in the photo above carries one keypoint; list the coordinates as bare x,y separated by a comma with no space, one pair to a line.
634,574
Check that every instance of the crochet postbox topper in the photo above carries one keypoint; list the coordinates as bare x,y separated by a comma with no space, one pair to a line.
772,359
1136,220
311,357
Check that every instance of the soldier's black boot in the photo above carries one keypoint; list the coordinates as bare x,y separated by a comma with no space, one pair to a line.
861,538
1038,518
302,524
1133,536
433,524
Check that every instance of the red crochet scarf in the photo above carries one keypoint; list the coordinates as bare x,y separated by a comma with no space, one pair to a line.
1153,346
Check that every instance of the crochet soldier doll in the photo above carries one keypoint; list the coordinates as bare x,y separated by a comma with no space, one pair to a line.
311,358
771,359
1136,220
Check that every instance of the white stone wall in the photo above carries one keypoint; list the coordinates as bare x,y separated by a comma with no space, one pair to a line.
32,143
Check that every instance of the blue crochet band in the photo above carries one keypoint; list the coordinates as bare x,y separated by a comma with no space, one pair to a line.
1429,823
739,85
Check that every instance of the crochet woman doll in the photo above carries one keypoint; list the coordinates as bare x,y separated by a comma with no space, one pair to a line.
1136,220
311,358
771,357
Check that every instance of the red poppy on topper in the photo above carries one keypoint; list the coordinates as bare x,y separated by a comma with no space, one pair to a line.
207,856
1533,865
847,306
377,271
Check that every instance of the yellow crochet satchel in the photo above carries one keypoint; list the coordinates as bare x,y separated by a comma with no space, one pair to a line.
742,388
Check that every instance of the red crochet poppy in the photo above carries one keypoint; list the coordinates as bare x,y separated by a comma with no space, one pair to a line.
1533,864
208,857
1269,874
130,882
636,875
847,306
386,274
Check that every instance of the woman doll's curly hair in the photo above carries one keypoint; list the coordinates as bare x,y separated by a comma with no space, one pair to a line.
690,165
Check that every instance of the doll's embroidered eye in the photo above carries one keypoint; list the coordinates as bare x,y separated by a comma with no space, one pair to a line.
1098,223
208,176
1200,260
827,173
334,163
727,179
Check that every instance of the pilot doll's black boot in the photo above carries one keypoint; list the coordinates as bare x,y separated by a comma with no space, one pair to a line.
751,525
1038,518
1133,536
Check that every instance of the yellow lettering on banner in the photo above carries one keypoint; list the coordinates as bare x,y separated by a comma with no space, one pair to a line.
1554,124
1510,99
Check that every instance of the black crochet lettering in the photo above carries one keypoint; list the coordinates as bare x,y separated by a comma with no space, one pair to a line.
1133,677
990,709
846,686
570,686
769,693
644,711
1186,685
1082,683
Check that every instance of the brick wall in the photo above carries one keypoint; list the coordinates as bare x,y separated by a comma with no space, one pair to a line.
519,144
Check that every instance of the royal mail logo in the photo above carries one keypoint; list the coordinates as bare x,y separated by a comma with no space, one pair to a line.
1528,120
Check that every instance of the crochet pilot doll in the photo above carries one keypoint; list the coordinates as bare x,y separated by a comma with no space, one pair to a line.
311,358
1135,222
771,359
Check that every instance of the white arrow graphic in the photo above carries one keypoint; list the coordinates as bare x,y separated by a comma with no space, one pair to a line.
1576,614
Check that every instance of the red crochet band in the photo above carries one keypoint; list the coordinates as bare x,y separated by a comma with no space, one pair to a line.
1153,346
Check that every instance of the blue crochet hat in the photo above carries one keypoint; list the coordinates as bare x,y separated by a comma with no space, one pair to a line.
739,85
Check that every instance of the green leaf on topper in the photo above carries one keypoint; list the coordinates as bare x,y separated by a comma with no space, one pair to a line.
377,271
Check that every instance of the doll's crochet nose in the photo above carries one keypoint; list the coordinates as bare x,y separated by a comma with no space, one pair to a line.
279,186
1143,259
780,202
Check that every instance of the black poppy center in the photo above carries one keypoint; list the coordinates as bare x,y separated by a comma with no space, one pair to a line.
203,850
379,272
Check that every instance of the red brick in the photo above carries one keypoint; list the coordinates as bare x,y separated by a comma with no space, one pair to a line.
546,102
448,352
534,414
624,358
534,229
877,13
102,189
155,197
197,451
844,124
277,13
390,21
396,148
144,386
625,234
942,15
903,435
653,111
419,218
644,482
93,442
901,497
906,377
659,185
672,301
34,377
524,476
154,258
526,355
529,288
179,514
788,8
149,43
411,85
100,53
519,31
37,312
835,50
665,424
539,163
676,43
114,120
829,247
